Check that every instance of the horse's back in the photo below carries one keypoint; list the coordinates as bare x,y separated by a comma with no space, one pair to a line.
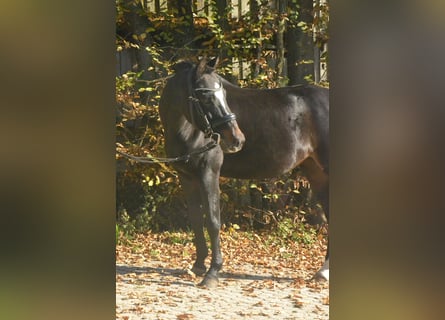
282,128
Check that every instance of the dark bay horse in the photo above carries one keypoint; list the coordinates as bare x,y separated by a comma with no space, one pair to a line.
263,133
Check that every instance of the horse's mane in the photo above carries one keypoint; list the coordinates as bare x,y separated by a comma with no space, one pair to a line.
183,65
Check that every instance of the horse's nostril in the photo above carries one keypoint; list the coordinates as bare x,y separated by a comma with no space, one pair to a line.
238,144
242,141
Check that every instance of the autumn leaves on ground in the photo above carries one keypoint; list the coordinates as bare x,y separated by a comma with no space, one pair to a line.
264,275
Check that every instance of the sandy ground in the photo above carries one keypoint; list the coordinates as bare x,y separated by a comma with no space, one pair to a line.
164,288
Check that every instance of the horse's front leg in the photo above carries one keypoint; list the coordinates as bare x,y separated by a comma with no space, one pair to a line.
192,190
210,195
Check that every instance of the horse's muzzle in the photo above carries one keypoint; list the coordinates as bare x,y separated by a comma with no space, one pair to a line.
232,139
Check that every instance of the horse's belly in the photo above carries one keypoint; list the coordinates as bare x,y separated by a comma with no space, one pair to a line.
242,166
252,173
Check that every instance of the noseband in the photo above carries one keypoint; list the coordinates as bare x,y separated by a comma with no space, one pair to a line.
209,126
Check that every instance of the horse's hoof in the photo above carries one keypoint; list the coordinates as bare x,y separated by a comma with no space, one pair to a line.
199,271
209,282
322,275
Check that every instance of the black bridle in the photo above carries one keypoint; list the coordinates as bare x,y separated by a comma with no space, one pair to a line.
208,125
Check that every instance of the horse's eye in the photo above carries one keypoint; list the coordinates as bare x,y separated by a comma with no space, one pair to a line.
206,97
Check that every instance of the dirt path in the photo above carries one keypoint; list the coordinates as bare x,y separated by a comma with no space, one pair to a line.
164,289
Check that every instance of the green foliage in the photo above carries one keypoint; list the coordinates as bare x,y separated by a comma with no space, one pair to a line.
127,227
124,229
289,230
265,204
142,189
178,237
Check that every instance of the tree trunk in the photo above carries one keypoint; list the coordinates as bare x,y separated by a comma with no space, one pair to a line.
282,4
300,45
317,71
136,24
223,22
183,11
254,16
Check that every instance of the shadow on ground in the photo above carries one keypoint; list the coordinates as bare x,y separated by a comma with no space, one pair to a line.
124,269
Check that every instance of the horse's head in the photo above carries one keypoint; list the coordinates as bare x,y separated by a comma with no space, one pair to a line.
210,111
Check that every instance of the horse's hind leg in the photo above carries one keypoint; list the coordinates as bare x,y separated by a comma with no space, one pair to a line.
191,187
319,180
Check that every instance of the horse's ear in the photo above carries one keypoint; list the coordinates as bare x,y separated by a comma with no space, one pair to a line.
213,63
200,69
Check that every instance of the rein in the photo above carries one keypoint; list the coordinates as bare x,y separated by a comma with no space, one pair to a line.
185,158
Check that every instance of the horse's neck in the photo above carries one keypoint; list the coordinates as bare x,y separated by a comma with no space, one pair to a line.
229,85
